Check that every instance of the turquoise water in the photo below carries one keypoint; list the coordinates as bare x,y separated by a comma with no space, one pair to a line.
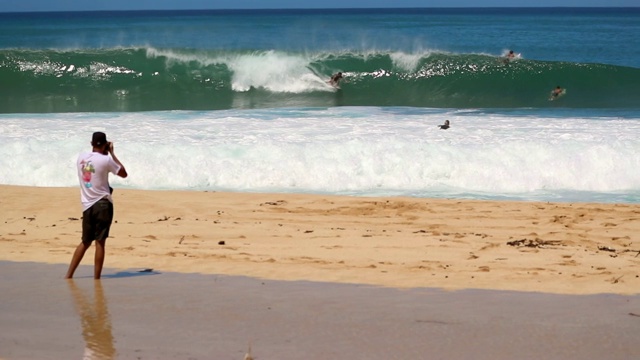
239,101
211,60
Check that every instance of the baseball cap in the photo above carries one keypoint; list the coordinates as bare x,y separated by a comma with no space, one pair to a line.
99,138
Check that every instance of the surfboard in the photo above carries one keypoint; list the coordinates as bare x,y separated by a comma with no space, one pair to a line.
333,84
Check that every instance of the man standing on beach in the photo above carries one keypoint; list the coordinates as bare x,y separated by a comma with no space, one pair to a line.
97,204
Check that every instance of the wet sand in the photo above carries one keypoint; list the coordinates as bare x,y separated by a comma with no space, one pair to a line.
157,315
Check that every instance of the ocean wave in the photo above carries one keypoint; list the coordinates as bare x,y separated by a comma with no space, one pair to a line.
147,79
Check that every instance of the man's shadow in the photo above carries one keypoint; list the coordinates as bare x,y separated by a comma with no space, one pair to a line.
130,273
125,274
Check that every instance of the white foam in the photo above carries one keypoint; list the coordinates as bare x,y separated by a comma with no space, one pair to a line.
405,61
274,71
271,70
376,151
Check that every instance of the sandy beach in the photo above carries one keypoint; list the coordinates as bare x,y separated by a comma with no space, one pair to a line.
209,275
564,248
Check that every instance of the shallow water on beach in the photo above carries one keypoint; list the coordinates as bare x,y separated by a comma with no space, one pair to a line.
150,315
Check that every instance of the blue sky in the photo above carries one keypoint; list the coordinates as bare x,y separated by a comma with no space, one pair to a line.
84,5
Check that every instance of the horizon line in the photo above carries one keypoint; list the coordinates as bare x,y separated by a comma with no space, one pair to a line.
329,9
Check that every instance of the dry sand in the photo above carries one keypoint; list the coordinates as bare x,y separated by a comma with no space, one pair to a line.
568,248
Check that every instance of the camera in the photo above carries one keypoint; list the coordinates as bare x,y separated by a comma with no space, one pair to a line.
106,148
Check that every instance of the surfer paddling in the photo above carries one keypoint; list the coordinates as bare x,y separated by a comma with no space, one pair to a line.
444,126
510,56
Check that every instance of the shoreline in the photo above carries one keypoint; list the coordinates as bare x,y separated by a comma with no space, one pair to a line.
166,315
396,242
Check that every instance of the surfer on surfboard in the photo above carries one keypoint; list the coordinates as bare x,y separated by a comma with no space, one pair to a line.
335,79
556,93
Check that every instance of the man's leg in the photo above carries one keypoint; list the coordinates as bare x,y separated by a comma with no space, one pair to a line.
99,258
75,260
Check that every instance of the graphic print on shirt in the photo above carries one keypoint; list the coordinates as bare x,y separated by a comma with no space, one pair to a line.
87,171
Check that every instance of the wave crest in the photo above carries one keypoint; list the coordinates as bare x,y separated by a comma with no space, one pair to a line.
178,79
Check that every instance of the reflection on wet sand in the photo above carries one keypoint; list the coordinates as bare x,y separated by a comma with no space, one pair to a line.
96,323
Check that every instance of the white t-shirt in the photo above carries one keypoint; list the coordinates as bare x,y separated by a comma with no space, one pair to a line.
93,173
